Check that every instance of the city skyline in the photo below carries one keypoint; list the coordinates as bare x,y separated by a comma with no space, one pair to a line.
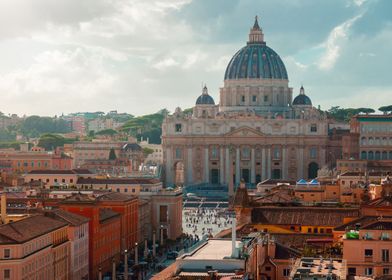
106,55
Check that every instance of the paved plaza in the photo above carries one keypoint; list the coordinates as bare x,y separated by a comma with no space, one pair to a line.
199,222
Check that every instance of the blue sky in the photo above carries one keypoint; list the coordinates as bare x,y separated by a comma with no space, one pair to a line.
139,56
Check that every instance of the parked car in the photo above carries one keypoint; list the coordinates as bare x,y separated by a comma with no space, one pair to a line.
172,255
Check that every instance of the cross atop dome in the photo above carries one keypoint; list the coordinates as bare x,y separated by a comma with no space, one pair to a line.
256,24
256,33
302,90
205,90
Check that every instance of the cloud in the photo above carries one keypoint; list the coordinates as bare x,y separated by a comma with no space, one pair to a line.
165,63
334,43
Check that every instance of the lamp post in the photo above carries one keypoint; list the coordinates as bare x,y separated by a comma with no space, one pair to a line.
145,248
126,264
136,254
100,273
153,245
161,237
114,269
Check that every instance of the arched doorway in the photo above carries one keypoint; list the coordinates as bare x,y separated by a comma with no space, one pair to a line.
179,173
312,170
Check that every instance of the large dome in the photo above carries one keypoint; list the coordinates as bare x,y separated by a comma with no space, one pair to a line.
256,60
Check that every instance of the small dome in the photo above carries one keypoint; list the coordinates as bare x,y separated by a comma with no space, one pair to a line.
302,98
205,98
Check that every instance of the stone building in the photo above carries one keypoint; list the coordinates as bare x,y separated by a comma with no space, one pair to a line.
257,131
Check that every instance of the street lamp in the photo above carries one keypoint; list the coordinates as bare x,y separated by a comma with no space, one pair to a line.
161,237
136,254
100,273
114,269
153,244
126,264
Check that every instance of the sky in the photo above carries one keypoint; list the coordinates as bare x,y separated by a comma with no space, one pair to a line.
139,56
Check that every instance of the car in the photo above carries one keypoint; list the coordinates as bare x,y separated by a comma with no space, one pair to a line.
172,255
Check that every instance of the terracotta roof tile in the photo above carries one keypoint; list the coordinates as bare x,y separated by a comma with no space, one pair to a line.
28,228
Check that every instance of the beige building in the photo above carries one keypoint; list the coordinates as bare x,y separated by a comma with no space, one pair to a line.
257,131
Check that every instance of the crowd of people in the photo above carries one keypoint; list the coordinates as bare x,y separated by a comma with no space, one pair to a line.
200,222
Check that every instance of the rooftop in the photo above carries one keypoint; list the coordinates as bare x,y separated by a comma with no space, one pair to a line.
214,249
68,217
63,172
119,181
28,228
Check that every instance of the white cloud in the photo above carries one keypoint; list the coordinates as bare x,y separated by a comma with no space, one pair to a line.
334,42
165,63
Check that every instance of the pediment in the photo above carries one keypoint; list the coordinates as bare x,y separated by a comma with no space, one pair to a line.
244,132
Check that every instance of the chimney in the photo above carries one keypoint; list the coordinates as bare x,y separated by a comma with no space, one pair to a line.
3,208
233,236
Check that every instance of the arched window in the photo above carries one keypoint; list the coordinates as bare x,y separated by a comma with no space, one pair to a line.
363,155
370,155
377,142
377,155
384,155
384,141
363,141
371,142
390,155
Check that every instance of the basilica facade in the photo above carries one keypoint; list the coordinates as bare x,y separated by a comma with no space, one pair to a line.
257,130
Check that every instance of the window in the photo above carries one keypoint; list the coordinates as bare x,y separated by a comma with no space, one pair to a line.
125,190
55,180
313,127
265,98
276,153
267,268
368,271
368,253
254,98
117,190
178,127
242,98
313,152
178,153
385,255
352,271
385,271
245,153
214,152
286,272
7,274
7,253
163,213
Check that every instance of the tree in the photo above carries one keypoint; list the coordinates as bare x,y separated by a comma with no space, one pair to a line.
50,141
109,131
112,154
386,109
147,151
366,110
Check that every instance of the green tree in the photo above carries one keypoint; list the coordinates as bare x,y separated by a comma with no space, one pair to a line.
50,141
109,131
386,109
147,151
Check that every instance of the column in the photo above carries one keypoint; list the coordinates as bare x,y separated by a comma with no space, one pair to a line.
169,166
237,166
228,166
252,166
263,165
221,166
269,165
322,157
284,162
206,166
300,162
189,168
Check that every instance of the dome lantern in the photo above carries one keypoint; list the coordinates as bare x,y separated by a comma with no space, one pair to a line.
256,33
